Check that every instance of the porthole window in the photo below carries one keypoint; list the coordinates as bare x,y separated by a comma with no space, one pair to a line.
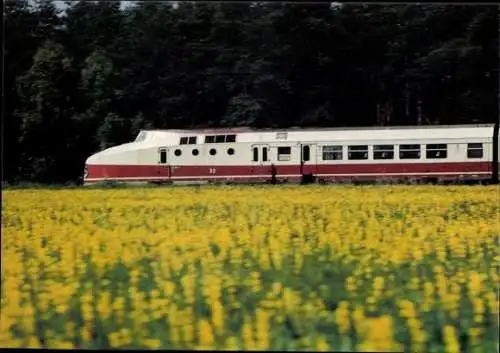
195,152
178,153
230,151
213,152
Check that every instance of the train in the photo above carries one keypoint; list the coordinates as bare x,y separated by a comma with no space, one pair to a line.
431,153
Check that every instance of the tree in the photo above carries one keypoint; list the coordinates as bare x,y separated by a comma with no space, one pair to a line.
94,76
46,114
22,38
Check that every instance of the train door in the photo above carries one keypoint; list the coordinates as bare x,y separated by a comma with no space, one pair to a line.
261,161
308,153
163,164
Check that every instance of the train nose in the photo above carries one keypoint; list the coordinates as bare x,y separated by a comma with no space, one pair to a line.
89,171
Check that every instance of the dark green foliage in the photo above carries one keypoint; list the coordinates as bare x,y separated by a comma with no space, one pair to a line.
92,76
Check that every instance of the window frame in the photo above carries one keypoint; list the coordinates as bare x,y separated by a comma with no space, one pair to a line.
358,149
436,147
265,157
231,138
379,150
306,154
163,156
405,149
255,154
471,148
284,157
336,150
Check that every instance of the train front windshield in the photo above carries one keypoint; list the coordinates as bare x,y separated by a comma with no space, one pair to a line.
141,136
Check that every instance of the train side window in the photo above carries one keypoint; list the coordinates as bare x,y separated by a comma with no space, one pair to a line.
209,139
213,152
220,138
332,153
192,140
184,141
284,153
178,152
436,151
409,152
231,138
264,154
475,150
163,156
306,153
255,154
195,152
357,152
383,152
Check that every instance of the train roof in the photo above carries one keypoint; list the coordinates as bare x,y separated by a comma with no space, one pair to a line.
247,134
221,130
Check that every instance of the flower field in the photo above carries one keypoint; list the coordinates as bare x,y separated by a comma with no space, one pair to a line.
389,268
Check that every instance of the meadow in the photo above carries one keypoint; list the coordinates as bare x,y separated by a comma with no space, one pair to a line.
366,268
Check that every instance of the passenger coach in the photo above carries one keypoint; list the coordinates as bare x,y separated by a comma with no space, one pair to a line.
439,153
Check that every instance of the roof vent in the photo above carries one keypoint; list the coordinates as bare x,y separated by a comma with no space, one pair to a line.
281,135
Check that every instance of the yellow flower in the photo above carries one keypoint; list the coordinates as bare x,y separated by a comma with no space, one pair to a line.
140,261
262,328
86,333
247,335
377,334
217,316
321,344
205,333
114,339
104,305
232,343
450,339
152,343
342,317
474,335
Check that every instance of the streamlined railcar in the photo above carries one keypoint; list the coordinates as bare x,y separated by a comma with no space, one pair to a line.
245,155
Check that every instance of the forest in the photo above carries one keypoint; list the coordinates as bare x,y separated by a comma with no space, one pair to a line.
91,76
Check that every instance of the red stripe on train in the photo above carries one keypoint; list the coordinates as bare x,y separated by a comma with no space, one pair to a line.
296,179
153,171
